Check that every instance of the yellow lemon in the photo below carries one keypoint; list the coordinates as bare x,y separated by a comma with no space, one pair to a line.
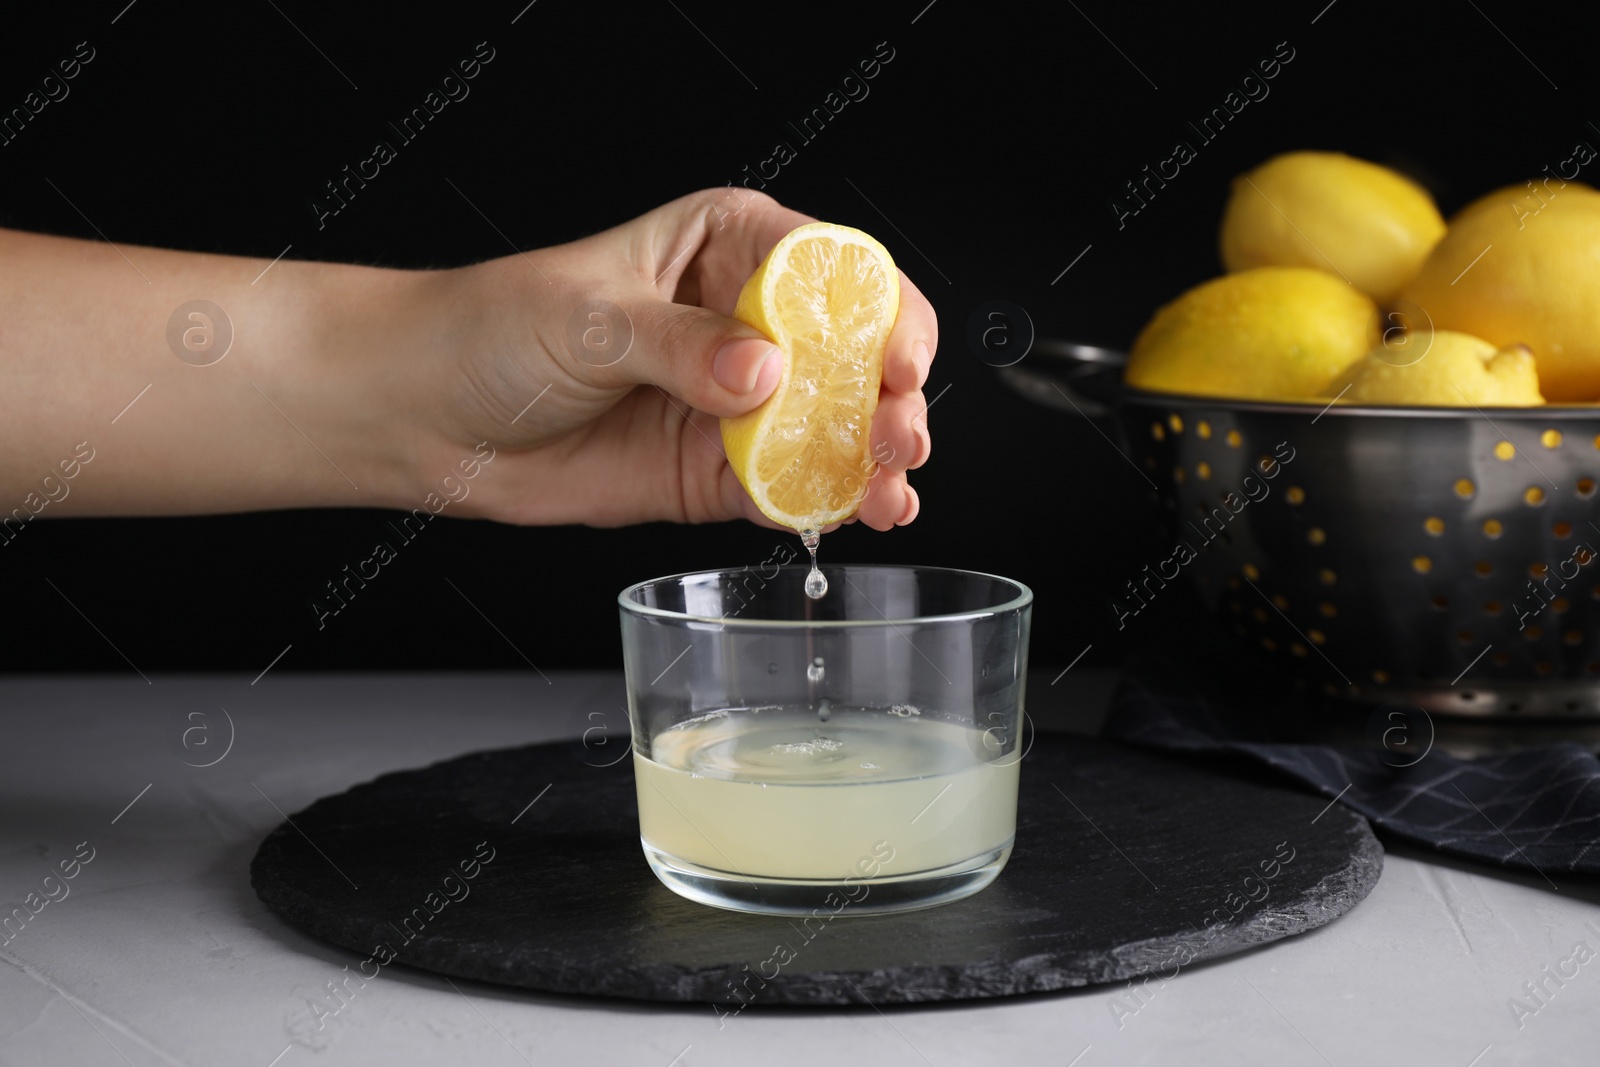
1522,265
1442,369
827,296
1274,333
1362,222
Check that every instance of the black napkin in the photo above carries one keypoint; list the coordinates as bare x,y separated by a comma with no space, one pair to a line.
1536,809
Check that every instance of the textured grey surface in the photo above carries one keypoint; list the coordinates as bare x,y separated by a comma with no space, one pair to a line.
1126,864
170,956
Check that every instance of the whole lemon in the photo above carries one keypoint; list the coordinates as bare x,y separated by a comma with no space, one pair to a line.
1442,369
1520,266
1274,333
1362,222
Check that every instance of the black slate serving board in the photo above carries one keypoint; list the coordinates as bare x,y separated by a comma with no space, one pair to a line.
1126,864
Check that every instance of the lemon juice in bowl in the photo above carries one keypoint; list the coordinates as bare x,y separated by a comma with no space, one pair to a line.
774,793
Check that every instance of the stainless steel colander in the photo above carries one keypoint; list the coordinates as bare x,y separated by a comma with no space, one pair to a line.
1442,556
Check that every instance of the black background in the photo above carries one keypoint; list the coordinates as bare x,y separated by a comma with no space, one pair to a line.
993,143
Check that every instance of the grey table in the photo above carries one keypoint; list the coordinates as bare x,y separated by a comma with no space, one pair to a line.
160,953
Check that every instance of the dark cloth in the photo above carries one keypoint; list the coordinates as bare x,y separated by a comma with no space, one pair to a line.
1533,809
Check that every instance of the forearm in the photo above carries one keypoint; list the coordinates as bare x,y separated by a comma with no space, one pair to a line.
309,406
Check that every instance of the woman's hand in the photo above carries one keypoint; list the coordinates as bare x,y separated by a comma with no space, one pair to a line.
598,370
346,386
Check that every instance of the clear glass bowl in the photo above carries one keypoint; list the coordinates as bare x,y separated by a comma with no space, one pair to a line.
853,754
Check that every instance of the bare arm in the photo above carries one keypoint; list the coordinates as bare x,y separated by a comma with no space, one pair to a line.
83,335
366,387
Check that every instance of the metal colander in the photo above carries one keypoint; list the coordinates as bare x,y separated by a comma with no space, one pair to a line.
1442,556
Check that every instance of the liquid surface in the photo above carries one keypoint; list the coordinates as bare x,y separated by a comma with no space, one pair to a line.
773,792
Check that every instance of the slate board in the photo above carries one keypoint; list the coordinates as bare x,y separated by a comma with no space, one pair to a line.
1121,857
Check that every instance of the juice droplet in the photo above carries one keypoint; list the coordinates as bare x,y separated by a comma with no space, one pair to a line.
816,671
816,584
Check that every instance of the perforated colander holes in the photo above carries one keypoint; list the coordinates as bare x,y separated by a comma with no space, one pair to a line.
1295,497
1174,424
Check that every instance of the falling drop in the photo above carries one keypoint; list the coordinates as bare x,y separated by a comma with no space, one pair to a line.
816,671
816,584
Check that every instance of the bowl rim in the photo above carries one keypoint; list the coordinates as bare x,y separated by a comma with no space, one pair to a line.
1108,365
1541,412
1022,600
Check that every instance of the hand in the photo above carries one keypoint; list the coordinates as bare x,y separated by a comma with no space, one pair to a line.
638,440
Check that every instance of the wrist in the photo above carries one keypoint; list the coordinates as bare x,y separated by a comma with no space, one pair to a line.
379,338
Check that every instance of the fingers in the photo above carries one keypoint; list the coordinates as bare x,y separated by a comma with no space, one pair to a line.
705,245
912,342
900,439
702,248
890,501
710,243
739,239
713,363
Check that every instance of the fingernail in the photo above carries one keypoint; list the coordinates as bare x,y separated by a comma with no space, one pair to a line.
924,361
739,364
924,447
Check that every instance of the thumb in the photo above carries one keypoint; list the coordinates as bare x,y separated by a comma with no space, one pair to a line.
714,363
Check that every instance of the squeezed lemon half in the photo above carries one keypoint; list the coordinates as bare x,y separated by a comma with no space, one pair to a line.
826,295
